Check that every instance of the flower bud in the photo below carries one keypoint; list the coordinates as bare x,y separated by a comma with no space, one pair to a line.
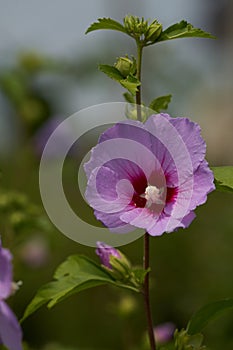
153,31
125,66
130,23
121,264
115,262
104,252
135,26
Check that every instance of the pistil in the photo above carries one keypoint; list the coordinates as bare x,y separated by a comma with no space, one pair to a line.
154,195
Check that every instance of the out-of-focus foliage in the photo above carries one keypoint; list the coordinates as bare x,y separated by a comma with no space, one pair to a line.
19,215
201,318
223,178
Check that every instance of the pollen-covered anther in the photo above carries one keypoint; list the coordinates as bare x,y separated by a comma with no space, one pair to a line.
154,195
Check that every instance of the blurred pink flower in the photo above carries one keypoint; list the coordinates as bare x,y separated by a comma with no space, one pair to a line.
10,331
34,252
164,332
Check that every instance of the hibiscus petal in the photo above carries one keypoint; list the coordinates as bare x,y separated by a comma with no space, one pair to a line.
96,192
10,331
113,222
124,169
170,148
5,273
203,184
123,148
186,221
144,218
168,224
134,155
188,150
191,135
139,217
193,192
180,206
129,129
150,138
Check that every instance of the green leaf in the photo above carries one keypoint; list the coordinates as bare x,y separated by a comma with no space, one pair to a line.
160,103
76,274
183,29
106,23
131,84
129,97
195,341
202,317
111,71
223,178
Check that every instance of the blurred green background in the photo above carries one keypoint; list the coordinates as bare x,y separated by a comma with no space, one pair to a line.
48,70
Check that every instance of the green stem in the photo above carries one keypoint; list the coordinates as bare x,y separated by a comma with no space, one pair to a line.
138,93
147,292
146,261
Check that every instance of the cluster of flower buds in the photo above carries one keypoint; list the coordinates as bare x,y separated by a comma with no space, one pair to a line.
142,30
135,25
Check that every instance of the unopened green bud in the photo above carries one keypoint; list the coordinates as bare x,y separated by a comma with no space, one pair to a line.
130,23
154,31
125,66
135,26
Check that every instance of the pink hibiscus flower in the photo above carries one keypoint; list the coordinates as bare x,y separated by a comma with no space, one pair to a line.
150,176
